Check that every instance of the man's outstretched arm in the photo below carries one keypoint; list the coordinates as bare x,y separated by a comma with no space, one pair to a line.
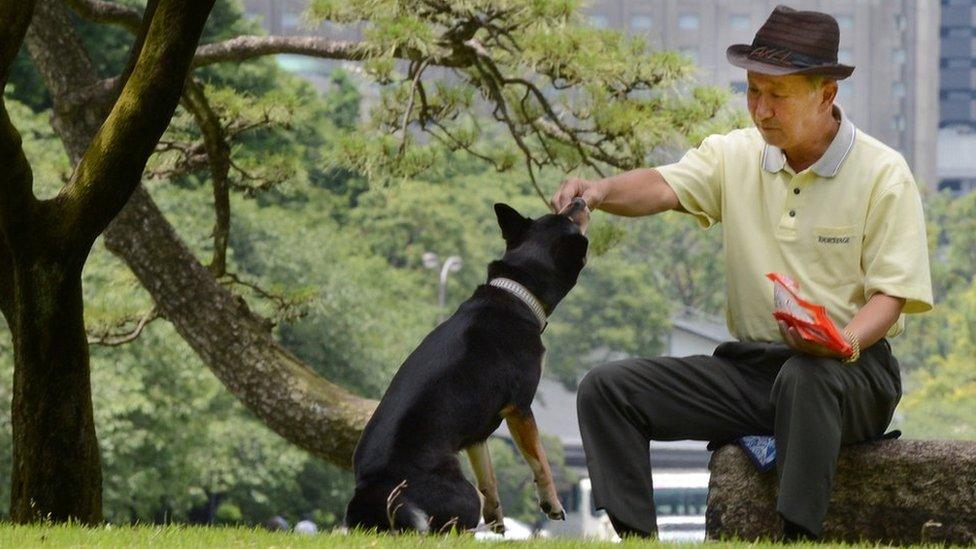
633,193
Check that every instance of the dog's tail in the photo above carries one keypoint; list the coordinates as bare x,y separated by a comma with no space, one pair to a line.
384,506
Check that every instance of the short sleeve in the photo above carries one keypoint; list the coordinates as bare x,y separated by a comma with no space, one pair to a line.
697,180
895,254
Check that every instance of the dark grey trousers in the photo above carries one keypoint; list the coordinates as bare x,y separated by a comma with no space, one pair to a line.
812,406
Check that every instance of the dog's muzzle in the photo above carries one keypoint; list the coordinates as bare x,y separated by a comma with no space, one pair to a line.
578,213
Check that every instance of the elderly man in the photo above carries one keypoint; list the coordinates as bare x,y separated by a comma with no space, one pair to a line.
804,193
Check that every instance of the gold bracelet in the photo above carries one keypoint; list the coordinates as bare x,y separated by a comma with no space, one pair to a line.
855,347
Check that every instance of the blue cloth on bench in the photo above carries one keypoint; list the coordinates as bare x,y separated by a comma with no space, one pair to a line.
761,449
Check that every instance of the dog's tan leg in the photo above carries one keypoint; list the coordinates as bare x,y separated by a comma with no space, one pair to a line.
521,423
487,486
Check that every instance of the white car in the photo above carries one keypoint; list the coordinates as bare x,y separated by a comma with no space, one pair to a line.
679,499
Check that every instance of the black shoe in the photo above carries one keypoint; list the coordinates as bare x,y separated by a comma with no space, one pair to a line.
793,532
625,531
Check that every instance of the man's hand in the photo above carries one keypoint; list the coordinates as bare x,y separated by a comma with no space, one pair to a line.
869,325
796,342
590,191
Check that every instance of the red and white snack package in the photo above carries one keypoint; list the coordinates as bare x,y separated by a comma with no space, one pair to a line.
809,319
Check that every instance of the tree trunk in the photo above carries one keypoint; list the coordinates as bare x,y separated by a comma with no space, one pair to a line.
287,395
897,491
56,466
56,472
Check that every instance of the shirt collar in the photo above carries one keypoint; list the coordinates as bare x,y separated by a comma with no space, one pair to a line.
773,159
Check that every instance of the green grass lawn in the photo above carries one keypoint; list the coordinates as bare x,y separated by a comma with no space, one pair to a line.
15,536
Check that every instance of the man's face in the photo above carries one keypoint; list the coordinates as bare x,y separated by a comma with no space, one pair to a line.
787,109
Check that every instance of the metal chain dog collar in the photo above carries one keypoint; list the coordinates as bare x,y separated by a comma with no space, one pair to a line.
524,295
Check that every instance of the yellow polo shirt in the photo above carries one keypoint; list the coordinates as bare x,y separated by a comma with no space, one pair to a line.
845,228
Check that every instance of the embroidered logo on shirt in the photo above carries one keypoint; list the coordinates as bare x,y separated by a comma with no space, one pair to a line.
834,239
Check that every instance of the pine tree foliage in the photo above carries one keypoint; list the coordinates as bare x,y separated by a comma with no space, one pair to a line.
569,96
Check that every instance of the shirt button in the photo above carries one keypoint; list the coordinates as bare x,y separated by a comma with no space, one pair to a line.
792,213
796,191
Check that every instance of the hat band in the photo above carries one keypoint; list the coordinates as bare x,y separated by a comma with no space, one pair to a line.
786,58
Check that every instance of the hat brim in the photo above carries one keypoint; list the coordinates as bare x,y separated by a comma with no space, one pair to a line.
738,55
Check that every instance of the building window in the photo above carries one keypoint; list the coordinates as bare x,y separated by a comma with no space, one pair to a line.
898,123
898,89
957,32
958,63
952,185
739,21
739,86
691,53
845,56
688,21
599,20
641,22
899,56
845,22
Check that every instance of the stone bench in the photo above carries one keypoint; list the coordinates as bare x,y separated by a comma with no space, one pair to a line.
892,491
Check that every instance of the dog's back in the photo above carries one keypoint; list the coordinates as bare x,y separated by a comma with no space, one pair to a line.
449,390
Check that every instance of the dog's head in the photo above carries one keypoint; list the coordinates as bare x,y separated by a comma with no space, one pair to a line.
545,254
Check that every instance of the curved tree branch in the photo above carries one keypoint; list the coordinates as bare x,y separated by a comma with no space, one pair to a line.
114,340
218,153
112,13
242,48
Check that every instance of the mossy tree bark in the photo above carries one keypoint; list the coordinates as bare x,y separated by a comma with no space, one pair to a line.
56,468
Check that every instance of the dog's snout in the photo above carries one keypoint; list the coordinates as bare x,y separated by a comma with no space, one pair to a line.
578,212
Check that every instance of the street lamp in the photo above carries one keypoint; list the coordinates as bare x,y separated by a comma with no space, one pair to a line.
451,265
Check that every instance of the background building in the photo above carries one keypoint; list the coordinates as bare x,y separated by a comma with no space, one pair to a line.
957,105
957,96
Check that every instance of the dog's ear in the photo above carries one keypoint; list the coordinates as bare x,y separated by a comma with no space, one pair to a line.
571,254
512,223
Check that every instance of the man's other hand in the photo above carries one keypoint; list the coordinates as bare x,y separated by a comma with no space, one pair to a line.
590,191
796,342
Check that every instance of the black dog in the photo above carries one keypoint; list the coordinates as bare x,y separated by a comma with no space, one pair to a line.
480,366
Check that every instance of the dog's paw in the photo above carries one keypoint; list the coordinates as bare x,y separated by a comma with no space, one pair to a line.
553,511
495,519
